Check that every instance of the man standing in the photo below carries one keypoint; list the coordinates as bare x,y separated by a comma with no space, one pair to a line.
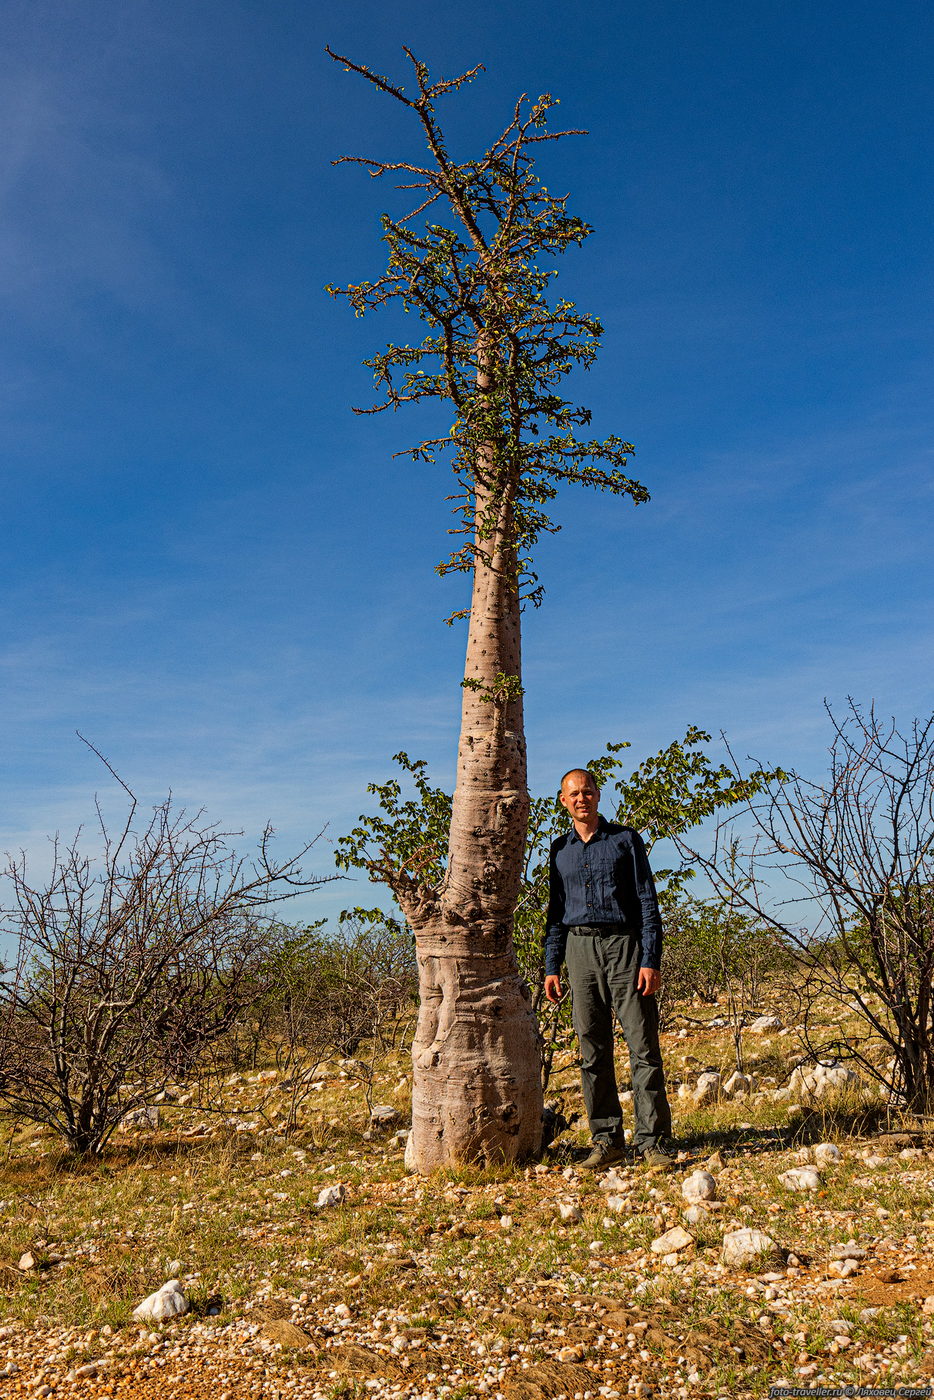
603,920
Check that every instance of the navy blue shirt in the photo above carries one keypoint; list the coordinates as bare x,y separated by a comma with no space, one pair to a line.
605,880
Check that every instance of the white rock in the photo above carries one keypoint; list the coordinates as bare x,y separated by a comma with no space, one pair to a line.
611,1182
762,1024
821,1080
801,1179
27,1262
384,1115
842,1268
167,1302
850,1250
699,1186
707,1089
176,1267
696,1214
146,1116
741,1247
736,1084
331,1196
570,1212
827,1153
409,1161
616,1204
672,1241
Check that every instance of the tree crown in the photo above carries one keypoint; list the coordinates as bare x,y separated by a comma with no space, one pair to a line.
496,346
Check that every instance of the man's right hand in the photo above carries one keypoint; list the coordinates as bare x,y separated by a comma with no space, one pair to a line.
553,988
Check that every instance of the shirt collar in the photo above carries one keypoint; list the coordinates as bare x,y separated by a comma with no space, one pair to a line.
601,828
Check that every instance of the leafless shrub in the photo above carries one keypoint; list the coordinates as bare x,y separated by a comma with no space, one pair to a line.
129,966
857,852
337,992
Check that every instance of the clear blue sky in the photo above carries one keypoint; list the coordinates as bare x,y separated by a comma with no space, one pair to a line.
217,573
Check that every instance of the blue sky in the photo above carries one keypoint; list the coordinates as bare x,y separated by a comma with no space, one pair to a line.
219,575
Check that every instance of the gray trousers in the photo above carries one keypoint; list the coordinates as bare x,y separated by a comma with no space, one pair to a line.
602,969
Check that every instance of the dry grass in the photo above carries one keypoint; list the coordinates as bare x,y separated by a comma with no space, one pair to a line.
431,1259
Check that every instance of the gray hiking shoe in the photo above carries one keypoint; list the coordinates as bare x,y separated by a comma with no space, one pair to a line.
603,1154
658,1158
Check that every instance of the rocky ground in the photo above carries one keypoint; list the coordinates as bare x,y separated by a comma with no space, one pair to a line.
792,1244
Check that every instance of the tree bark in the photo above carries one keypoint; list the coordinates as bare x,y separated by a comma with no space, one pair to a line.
477,1066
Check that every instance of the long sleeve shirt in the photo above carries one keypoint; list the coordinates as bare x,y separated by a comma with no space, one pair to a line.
606,880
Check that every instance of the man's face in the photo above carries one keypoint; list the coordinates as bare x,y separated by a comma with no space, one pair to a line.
580,796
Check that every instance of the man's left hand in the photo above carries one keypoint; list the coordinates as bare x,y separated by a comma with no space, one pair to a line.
648,981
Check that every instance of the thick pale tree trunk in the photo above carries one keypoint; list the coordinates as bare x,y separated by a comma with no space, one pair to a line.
477,1092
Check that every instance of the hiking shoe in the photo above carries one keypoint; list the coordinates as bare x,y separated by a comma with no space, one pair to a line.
603,1154
658,1157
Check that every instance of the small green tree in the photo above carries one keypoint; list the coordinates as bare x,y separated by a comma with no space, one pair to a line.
670,792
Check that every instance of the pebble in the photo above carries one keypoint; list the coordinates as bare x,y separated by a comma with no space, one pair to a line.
801,1179
741,1247
707,1089
850,1250
699,1186
331,1196
672,1241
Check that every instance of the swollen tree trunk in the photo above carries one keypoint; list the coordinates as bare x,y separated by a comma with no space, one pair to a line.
477,1067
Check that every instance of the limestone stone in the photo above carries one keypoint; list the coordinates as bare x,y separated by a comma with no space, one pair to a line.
672,1241
699,1186
707,1089
167,1302
745,1246
763,1024
821,1079
801,1179
331,1196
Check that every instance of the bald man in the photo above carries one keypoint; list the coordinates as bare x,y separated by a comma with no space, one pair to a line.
603,920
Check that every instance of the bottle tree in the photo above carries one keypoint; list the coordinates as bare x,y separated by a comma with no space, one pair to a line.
473,259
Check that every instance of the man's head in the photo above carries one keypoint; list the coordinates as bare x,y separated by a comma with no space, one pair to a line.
579,795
